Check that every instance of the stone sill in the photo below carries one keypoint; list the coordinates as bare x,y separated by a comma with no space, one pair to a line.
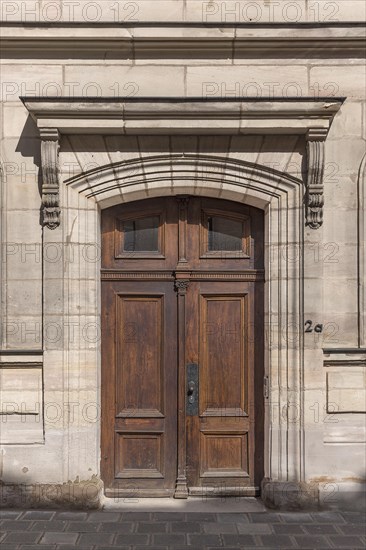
344,357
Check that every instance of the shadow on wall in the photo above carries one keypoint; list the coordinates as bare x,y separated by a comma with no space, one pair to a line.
29,146
71,495
349,494
204,144
97,152
322,493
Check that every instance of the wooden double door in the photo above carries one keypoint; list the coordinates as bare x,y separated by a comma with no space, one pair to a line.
182,348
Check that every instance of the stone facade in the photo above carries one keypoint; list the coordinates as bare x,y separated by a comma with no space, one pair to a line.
270,96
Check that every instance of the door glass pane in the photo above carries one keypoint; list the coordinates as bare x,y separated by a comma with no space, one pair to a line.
224,234
141,235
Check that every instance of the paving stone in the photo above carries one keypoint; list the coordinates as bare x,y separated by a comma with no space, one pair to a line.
220,528
296,517
322,529
263,517
9,514
340,541
254,529
185,527
232,518
136,516
169,516
238,540
104,516
53,525
72,516
38,514
93,539
22,537
308,541
327,517
132,539
83,527
353,529
288,529
206,540
353,517
169,539
117,527
151,527
59,538
16,525
10,546
178,530
279,541
200,516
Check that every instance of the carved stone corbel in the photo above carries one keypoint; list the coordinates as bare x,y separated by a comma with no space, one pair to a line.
315,172
50,146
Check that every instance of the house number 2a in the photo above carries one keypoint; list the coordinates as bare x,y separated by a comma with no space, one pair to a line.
309,327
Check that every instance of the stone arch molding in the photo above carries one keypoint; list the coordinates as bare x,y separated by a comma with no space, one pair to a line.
281,197
147,116
174,174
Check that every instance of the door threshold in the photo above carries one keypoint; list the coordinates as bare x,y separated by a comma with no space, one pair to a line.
201,504
221,491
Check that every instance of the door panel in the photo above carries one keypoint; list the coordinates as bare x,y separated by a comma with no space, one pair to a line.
140,352
139,409
222,361
182,348
139,455
221,439
224,455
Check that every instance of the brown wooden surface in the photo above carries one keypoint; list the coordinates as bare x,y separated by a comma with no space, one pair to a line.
161,310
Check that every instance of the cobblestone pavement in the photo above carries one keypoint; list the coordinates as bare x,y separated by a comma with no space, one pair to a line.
104,530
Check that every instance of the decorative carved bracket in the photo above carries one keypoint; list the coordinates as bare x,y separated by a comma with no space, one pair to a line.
315,171
181,285
50,146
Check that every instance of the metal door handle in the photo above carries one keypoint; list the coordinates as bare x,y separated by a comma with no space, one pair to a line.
192,389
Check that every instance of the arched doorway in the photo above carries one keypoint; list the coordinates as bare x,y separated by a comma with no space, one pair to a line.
182,347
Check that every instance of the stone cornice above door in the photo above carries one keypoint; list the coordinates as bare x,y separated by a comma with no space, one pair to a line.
190,116
142,116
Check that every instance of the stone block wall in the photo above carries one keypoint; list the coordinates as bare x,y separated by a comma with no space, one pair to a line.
50,303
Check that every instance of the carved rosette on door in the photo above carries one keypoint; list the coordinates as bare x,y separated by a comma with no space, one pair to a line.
182,348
